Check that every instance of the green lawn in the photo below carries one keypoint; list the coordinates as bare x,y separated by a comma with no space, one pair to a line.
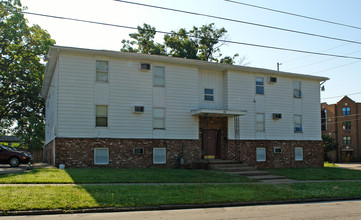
327,164
53,175
325,173
76,197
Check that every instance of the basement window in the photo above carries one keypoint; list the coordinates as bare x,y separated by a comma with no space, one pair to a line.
101,156
298,153
159,156
261,154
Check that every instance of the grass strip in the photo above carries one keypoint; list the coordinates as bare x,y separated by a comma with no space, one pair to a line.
325,173
77,197
108,175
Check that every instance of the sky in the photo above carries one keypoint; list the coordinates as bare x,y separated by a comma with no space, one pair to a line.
344,74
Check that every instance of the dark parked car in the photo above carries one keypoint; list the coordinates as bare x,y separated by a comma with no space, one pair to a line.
13,157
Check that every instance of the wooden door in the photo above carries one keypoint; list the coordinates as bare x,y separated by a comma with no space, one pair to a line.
209,142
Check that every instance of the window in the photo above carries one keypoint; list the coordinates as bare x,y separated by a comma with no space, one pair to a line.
298,153
261,154
101,118
346,111
260,122
138,151
259,85
101,156
346,140
159,118
208,95
159,156
102,71
159,76
297,93
346,125
297,120
323,120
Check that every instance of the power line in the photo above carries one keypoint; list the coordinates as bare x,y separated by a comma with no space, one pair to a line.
297,15
225,41
342,95
239,21
321,51
335,67
322,61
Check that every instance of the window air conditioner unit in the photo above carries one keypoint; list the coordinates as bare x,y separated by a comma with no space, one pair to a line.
276,116
145,66
272,79
138,109
277,150
297,93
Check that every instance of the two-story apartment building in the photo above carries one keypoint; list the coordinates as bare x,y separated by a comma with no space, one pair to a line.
342,122
116,109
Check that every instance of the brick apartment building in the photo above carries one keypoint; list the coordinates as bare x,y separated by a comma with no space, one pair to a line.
342,122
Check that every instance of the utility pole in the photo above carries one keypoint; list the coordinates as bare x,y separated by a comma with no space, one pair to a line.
278,66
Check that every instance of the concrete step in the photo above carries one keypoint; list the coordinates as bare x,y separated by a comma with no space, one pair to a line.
235,169
267,177
252,173
217,166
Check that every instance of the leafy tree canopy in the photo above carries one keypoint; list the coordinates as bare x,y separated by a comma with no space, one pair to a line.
201,43
21,73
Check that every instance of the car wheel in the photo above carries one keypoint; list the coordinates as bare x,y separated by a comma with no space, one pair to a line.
14,162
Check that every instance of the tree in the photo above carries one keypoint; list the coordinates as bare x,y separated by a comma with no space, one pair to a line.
21,73
181,45
145,41
201,43
328,144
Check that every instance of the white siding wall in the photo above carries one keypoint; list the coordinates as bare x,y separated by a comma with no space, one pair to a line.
278,98
241,96
76,106
127,87
51,108
311,117
181,98
211,79
78,93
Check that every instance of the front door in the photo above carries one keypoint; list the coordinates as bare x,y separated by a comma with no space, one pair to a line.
346,156
210,143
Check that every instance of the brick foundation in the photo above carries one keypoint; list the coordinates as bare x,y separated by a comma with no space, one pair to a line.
245,151
79,152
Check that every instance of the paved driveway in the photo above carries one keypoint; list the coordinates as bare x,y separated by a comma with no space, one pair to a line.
354,166
6,168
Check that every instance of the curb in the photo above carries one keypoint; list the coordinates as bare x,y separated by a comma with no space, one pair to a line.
170,207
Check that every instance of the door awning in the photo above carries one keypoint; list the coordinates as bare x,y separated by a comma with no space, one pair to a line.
218,112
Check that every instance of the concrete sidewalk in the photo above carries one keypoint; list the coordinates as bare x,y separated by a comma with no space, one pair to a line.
353,166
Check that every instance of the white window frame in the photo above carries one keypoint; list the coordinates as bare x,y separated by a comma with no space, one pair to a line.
95,156
297,124
158,77
158,119
159,155
298,153
260,85
100,71
261,155
98,115
210,95
260,123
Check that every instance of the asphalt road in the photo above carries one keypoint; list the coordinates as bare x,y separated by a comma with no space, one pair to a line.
322,210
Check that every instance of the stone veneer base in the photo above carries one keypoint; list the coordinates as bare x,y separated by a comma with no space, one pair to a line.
79,152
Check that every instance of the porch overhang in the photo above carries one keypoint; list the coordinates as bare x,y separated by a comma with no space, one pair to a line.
217,112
